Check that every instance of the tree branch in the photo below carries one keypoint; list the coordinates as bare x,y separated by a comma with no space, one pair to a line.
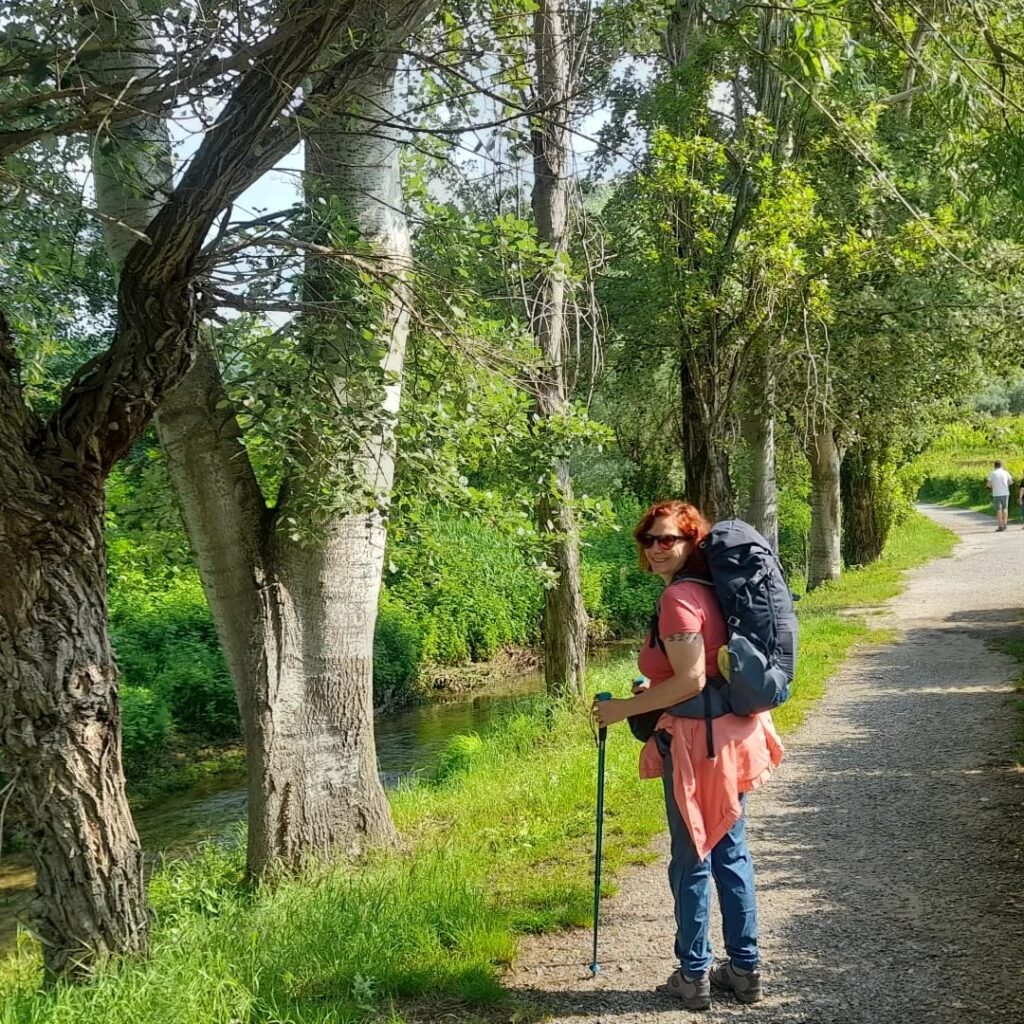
111,400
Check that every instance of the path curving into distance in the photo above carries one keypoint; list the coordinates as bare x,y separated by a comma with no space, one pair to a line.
889,846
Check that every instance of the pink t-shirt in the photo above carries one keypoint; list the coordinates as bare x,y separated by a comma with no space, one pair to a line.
686,607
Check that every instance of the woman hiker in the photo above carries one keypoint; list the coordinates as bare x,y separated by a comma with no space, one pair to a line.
705,796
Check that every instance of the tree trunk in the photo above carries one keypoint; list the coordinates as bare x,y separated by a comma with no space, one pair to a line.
59,712
565,618
759,431
60,720
824,562
867,512
705,455
296,620
60,716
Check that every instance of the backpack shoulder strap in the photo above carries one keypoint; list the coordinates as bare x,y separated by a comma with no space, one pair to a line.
686,577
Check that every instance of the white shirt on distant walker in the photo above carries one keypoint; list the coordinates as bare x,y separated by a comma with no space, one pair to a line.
999,481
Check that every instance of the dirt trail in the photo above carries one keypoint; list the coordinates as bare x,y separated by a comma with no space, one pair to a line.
889,847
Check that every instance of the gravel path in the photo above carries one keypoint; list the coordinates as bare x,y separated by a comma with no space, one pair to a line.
889,846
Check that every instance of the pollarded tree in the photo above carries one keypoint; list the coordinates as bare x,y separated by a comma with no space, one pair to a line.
530,62
898,307
59,713
718,131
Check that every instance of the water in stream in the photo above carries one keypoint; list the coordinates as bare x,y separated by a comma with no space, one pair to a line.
408,742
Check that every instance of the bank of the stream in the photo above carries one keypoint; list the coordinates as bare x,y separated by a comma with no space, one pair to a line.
408,732
200,796
499,843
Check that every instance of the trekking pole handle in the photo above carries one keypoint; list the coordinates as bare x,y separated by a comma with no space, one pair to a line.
602,733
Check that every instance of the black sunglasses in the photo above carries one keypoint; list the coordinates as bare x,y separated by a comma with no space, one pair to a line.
664,540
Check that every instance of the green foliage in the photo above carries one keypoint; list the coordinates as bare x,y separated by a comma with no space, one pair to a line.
165,642
619,595
57,286
145,725
794,528
397,651
470,589
955,467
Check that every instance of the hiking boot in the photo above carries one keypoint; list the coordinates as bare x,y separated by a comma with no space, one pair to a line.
743,983
695,993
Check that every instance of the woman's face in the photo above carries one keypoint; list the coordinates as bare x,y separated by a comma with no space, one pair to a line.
666,549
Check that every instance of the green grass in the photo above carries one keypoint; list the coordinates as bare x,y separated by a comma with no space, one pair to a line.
954,471
498,845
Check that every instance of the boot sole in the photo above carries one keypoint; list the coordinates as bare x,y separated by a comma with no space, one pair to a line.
749,997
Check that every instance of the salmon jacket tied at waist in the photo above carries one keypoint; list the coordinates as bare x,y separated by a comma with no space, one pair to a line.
706,789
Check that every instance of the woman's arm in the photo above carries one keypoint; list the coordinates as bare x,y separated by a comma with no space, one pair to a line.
686,656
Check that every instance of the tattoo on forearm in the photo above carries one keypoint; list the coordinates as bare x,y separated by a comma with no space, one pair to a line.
685,638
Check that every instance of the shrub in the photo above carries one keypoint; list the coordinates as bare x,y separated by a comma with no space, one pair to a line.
166,643
626,595
469,587
397,651
198,688
794,530
145,725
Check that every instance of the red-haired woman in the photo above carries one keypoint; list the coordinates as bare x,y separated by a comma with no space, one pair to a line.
707,765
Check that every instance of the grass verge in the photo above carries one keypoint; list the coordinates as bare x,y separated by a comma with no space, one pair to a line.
498,844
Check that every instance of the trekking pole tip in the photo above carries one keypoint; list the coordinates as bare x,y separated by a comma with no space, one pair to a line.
595,968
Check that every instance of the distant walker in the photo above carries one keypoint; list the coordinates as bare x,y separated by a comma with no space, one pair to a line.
999,482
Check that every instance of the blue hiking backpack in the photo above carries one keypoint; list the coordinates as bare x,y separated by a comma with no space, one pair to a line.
758,609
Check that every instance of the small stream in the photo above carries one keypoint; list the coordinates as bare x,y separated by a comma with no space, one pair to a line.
408,742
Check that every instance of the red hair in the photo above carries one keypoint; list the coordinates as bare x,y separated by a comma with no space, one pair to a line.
689,521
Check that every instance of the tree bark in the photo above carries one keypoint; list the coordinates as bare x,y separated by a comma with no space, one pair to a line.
825,458
758,424
867,513
296,619
296,626
705,455
59,712
565,617
61,721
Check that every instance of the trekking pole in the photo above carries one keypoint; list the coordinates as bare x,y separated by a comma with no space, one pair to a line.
602,735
